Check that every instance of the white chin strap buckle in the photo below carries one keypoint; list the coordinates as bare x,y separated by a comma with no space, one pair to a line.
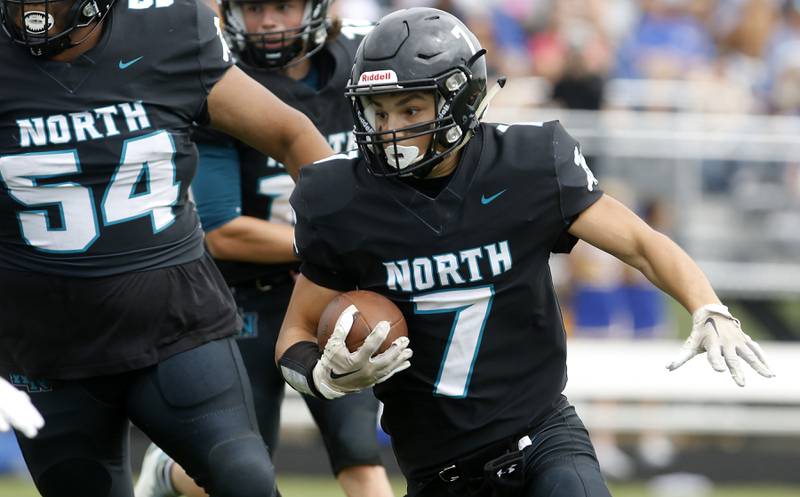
401,156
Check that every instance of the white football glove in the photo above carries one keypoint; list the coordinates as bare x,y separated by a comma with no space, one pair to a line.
340,371
16,410
717,332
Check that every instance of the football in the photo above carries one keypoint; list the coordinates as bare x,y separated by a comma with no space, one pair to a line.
372,309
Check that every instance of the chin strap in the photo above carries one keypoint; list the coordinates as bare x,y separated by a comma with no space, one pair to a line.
484,105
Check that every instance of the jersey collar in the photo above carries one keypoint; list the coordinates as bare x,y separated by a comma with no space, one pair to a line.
436,213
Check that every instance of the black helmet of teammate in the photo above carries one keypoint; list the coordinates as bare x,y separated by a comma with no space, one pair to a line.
418,49
44,26
291,45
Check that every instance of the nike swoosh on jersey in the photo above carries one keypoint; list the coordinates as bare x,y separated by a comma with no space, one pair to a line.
488,200
125,65
335,376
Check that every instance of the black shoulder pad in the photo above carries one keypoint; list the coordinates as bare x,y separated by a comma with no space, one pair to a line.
326,186
524,145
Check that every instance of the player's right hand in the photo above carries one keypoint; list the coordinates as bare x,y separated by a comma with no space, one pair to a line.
340,371
16,410
718,333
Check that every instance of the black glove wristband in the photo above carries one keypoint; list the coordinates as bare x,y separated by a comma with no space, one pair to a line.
297,367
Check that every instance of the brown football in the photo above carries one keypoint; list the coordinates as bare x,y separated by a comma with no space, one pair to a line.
372,308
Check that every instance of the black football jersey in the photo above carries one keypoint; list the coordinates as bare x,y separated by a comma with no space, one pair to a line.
95,154
266,186
469,270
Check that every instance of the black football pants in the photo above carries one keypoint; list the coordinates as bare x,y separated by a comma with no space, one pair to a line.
195,405
561,462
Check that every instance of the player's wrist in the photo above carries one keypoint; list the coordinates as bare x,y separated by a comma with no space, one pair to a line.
324,387
298,365
711,309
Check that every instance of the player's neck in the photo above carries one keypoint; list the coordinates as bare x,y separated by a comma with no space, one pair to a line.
446,167
92,34
299,70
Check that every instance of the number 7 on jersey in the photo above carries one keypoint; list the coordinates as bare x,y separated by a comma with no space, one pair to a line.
471,307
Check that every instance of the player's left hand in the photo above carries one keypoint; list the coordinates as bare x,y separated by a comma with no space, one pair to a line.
16,410
339,371
717,332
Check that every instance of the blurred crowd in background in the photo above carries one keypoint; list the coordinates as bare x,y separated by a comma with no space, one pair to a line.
747,52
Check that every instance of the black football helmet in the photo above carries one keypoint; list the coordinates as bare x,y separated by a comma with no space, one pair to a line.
418,49
251,48
44,26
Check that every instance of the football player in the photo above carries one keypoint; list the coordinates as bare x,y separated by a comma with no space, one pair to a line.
304,58
454,220
112,311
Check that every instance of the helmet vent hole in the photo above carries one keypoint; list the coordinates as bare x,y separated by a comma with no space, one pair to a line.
432,18
428,57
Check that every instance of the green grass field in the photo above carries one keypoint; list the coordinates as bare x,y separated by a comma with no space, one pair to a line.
317,486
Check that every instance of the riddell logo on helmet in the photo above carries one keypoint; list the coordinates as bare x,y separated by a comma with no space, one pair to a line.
377,77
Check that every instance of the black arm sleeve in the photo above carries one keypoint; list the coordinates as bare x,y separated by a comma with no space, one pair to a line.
297,367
